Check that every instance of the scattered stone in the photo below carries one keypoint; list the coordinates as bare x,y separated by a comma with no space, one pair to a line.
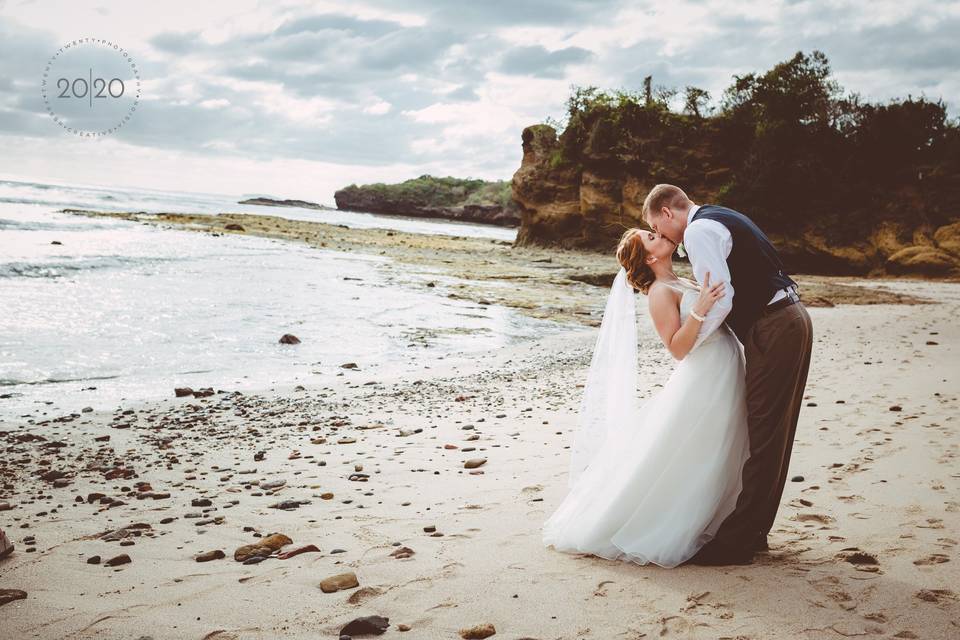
478,632
128,531
289,338
473,463
5,506
207,556
896,407
203,393
264,547
796,479
93,560
233,226
200,502
181,392
367,625
87,410
286,555
339,582
273,484
51,476
403,627
9,595
349,365
116,561
402,552
288,505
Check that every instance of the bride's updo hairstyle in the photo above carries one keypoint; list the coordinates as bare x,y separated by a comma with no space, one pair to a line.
632,256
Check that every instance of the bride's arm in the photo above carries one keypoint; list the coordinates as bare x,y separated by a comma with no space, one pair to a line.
679,335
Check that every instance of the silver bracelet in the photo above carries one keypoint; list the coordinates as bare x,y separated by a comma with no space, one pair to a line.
697,316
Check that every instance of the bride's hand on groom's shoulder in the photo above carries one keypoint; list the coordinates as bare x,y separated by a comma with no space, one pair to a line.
709,294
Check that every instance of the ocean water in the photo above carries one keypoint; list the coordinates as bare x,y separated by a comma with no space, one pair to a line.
121,311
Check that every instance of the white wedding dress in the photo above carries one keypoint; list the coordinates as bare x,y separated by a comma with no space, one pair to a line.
658,490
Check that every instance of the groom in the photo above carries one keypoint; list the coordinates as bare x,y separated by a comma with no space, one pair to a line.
761,305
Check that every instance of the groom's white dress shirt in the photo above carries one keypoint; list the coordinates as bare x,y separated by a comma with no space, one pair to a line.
708,243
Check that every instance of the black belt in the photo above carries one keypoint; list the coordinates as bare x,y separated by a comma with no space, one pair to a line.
792,297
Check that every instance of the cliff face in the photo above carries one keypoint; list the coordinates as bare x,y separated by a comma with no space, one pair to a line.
428,197
588,205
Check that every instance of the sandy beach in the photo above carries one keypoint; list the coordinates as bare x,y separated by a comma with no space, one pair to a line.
431,491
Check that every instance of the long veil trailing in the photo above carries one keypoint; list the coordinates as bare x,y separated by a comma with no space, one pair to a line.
609,398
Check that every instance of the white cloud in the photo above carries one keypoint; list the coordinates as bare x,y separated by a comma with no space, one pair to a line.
378,108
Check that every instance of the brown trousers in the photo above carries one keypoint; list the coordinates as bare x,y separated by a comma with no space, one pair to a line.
777,351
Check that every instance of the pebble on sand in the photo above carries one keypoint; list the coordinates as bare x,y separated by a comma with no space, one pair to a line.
367,625
116,561
264,547
478,632
182,392
473,463
289,338
207,556
339,582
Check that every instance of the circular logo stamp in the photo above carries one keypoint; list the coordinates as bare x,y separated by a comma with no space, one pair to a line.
91,87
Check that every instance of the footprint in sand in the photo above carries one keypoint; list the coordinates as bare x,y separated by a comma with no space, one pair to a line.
936,596
936,558
813,517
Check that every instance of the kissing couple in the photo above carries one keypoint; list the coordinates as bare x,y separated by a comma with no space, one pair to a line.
695,474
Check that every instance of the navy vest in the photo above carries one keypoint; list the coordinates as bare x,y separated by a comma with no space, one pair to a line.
756,272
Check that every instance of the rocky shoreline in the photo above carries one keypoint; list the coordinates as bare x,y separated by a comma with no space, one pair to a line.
563,285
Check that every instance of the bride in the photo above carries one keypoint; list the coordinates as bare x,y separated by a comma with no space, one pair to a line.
652,483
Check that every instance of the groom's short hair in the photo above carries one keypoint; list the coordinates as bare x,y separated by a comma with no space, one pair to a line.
663,195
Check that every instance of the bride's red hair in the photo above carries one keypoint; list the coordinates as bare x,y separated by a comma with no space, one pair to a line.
632,256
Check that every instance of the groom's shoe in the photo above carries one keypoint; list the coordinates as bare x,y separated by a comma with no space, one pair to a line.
714,555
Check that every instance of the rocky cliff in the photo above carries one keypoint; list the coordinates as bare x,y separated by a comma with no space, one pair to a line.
430,197
839,187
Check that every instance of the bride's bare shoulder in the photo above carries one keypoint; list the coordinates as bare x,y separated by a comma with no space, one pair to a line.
662,297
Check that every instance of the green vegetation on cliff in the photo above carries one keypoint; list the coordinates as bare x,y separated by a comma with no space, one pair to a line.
788,147
430,191
469,200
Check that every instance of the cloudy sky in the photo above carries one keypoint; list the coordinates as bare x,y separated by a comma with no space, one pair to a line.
296,99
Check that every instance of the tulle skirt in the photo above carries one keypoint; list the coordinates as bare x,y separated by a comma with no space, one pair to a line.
658,490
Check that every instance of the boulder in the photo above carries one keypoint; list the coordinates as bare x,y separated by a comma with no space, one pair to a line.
947,237
923,260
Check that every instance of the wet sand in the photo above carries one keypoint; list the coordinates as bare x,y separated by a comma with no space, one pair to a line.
374,472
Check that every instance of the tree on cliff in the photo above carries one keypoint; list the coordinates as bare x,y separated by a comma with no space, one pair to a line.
788,146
